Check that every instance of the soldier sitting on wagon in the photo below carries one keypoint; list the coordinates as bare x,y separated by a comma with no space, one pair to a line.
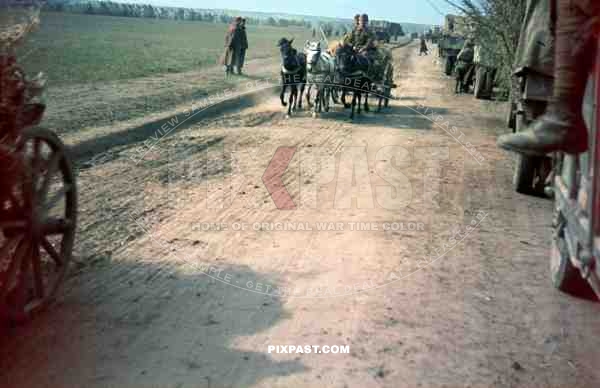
364,40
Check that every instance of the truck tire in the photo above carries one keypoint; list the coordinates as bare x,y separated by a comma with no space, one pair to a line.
484,83
490,78
511,117
449,66
478,91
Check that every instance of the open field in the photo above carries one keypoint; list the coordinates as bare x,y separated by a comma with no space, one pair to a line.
74,48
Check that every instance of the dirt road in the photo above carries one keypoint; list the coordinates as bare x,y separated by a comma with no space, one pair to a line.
442,281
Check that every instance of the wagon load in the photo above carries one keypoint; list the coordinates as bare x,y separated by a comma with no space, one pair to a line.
381,59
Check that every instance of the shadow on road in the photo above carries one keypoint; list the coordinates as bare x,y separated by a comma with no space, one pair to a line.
130,323
148,131
394,116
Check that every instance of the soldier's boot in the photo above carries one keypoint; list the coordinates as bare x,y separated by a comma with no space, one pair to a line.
561,127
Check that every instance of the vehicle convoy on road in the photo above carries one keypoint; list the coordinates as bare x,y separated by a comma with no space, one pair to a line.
195,230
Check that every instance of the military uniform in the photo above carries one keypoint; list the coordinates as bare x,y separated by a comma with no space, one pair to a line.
464,66
360,38
365,40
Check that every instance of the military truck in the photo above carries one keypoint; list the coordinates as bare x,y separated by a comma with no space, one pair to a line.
436,34
452,40
385,30
395,30
381,34
428,34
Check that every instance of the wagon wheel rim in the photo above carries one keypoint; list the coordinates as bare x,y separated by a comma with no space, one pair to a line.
48,200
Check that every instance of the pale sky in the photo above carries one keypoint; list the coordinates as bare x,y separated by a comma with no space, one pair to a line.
409,11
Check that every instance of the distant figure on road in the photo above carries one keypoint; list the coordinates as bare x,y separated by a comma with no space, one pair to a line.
423,47
233,45
244,47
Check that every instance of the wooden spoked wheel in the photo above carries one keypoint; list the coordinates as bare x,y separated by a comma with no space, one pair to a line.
38,223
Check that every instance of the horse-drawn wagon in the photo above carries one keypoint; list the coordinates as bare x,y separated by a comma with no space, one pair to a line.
38,198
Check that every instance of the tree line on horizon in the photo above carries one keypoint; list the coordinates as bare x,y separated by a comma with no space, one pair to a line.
110,8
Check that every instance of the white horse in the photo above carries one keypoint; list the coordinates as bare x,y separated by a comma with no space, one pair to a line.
320,72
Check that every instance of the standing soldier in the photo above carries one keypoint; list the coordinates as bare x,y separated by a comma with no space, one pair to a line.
423,49
464,67
233,44
244,47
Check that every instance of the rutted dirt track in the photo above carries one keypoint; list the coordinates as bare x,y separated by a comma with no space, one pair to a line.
140,312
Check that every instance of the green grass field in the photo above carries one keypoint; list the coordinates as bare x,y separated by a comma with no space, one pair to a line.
72,48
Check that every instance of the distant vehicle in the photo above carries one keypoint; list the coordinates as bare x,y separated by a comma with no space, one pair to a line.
382,34
454,34
436,34
387,31
448,48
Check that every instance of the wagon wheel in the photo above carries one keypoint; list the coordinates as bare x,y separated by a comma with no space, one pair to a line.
46,199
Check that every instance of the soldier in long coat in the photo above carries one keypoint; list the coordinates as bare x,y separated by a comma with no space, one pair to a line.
233,45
